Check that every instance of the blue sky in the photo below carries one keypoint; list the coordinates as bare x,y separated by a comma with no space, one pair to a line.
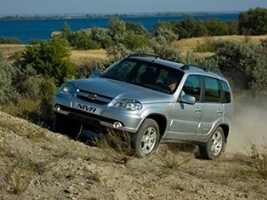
11,7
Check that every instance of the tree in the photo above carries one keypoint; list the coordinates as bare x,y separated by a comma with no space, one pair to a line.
133,41
51,59
66,31
232,27
216,27
101,37
253,21
80,40
116,26
136,28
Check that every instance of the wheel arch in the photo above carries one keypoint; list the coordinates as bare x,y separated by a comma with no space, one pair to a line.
226,129
161,121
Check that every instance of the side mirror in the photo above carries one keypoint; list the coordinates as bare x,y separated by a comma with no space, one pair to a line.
188,99
95,74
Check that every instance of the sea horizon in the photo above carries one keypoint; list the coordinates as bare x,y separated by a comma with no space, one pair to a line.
99,15
41,28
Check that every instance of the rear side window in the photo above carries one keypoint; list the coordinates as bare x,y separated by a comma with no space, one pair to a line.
212,90
192,86
226,95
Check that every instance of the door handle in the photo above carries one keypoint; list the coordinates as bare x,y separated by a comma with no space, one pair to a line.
219,112
197,110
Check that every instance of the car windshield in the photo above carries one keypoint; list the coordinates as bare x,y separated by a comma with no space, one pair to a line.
145,74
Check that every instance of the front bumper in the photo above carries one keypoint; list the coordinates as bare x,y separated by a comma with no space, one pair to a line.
109,118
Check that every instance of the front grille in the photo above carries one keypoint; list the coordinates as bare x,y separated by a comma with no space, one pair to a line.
99,99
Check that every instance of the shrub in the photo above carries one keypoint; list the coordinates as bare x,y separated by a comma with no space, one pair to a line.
101,37
7,91
80,40
10,40
85,70
51,59
168,34
136,28
259,159
133,42
207,46
245,64
116,146
216,27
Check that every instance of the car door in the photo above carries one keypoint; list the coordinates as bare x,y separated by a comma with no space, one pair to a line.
213,110
185,117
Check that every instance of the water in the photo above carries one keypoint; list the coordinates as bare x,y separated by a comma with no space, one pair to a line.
26,30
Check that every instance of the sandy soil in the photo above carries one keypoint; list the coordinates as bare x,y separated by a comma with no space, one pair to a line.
36,163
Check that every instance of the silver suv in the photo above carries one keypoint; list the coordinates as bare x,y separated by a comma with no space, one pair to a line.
152,99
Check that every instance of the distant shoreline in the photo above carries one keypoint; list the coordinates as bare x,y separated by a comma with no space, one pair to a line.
124,15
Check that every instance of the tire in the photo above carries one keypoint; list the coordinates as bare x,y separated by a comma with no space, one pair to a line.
215,146
67,126
146,140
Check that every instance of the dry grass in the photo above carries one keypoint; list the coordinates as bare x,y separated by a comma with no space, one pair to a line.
10,50
189,44
77,56
83,56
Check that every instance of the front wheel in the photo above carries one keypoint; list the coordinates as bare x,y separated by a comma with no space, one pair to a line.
146,140
214,147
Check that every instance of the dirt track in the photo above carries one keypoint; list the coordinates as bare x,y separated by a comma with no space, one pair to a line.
39,164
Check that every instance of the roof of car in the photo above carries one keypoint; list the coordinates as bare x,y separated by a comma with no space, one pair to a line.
187,68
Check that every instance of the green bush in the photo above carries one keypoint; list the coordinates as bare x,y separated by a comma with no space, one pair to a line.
216,27
86,69
133,42
245,64
10,40
51,59
207,46
136,28
101,37
80,40
7,91
253,21
169,35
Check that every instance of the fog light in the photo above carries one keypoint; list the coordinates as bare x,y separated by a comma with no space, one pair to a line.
58,108
117,125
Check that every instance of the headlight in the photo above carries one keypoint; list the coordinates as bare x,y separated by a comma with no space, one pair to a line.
67,88
127,104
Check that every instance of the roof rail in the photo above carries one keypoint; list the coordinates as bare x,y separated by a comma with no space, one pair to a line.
204,68
143,55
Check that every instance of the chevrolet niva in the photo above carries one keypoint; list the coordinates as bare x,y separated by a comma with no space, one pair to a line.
154,100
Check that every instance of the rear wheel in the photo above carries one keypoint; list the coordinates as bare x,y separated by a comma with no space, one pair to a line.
214,147
146,140
65,125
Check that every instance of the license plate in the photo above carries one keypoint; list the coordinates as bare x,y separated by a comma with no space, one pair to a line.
86,108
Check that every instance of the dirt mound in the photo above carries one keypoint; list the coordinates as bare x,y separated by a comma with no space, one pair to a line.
38,164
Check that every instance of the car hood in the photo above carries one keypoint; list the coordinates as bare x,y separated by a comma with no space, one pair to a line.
118,89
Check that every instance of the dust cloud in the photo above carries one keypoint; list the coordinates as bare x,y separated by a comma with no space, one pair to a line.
249,127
